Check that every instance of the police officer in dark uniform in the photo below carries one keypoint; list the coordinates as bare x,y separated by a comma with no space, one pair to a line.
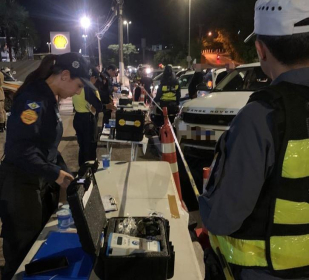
32,168
106,89
256,202
168,93
87,106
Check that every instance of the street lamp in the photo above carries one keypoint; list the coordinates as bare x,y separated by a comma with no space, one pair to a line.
49,46
127,24
210,33
85,23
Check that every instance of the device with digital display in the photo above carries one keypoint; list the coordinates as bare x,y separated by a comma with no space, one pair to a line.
122,245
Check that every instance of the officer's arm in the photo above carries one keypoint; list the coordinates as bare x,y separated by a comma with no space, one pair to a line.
246,161
159,94
178,94
27,139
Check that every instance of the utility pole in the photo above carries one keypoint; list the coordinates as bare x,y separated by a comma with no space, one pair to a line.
120,38
189,44
99,36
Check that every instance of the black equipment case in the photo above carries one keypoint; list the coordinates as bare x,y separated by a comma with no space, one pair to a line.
125,101
92,225
130,125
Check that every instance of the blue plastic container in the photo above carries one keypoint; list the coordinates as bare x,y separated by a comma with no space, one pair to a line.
68,245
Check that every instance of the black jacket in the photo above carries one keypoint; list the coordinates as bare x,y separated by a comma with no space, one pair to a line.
34,132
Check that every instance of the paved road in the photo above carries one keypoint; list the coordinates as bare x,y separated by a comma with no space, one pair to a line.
211,58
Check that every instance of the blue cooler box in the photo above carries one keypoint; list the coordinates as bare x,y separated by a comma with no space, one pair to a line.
68,245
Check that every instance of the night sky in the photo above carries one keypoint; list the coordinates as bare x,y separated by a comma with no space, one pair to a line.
159,21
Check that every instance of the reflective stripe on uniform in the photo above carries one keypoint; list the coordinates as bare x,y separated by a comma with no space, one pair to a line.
168,148
289,251
296,159
242,252
286,251
291,213
169,96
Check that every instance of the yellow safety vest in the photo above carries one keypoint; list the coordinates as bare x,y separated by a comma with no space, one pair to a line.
169,93
80,103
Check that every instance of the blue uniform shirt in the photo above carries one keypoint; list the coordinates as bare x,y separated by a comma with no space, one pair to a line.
34,132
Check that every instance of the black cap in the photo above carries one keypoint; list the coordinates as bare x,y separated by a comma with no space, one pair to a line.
77,65
94,72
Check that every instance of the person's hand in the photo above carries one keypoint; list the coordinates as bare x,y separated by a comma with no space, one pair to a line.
64,179
111,106
115,89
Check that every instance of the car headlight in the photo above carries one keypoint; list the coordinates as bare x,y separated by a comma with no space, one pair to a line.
156,87
148,71
151,87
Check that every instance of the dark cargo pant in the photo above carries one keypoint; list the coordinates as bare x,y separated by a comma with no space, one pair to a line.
26,203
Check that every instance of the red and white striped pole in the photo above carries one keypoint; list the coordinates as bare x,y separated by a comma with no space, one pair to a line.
169,150
202,233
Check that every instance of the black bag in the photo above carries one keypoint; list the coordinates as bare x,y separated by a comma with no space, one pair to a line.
125,101
91,223
130,125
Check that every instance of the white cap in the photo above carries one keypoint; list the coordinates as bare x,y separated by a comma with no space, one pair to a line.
280,17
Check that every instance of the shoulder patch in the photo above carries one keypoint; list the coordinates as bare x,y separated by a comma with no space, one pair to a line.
35,106
29,117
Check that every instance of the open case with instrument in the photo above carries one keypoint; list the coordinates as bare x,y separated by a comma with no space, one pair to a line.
119,256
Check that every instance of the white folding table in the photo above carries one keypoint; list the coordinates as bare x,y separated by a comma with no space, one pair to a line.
140,188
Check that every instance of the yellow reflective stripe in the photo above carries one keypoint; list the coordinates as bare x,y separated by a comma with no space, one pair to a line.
296,159
242,252
289,251
97,94
169,96
164,88
291,213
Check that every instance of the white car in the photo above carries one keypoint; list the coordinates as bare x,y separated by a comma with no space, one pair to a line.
210,80
203,120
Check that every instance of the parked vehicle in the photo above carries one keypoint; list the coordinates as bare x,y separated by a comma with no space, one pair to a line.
203,120
211,78
10,86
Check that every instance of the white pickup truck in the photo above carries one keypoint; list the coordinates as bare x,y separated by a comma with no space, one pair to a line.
203,120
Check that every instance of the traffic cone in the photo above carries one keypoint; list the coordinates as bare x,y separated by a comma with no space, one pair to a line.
206,174
169,150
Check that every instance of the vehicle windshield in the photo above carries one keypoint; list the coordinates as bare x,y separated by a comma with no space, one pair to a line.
158,78
244,79
185,80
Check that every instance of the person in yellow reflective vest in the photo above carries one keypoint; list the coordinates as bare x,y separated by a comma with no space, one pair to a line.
168,93
256,203
87,106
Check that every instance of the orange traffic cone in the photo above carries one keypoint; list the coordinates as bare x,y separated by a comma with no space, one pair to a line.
169,150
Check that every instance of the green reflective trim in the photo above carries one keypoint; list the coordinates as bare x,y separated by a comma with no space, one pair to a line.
289,251
286,251
291,213
296,159
169,96
241,252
